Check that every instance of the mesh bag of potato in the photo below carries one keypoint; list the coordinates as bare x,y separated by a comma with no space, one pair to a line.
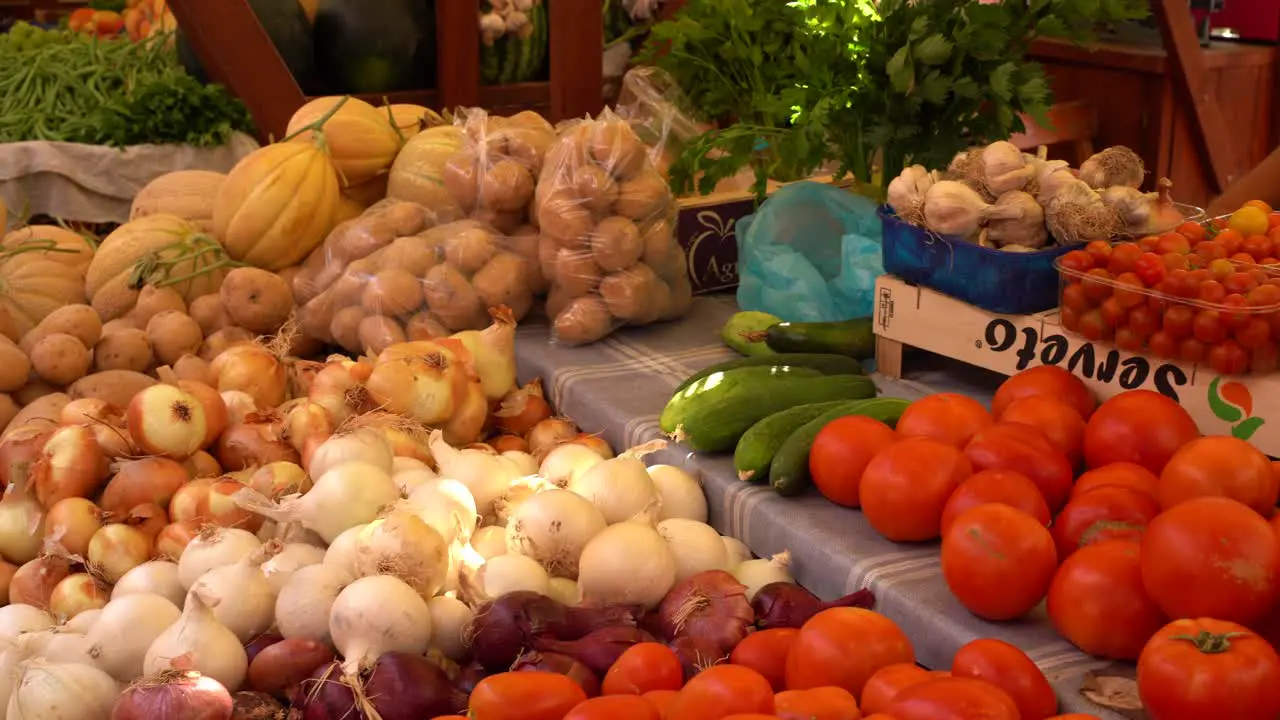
606,219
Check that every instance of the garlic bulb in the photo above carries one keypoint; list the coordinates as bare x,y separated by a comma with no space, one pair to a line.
953,208
1016,219
1135,208
1117,165
1077,214
1004,168
906,193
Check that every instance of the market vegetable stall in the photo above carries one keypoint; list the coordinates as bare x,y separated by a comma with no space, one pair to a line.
619,386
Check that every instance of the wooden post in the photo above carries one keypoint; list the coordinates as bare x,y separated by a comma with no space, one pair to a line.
458,52
577,46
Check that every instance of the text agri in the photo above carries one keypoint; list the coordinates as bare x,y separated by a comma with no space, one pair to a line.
1086,361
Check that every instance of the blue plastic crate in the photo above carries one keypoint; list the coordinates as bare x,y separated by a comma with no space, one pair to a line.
1001,282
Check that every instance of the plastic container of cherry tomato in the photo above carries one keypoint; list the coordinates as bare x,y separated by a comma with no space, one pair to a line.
1187,308
1011,283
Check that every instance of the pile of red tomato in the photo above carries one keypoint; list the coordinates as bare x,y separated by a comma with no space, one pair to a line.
1165,550
1184,295
844,664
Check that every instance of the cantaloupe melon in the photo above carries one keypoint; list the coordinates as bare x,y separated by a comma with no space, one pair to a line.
358,137
416,175
189,194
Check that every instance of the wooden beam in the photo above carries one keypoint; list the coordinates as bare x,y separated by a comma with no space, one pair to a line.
577,46
1183,46
458,53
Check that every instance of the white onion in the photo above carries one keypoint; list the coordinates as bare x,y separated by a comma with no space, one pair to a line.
376,615
215,547
197,641
524,462
350,494
46,690
400,544
517,493
449,620
627,563
485,473
620,487
83,622
697,546
401,464
156,577
364,445
124,632
446,505
410,480
490,541
680,492
566,463
11,653
553,527
342,551
240,598
289,560
302,608
563,591
69,647
21,524
501,575
738,552
755,574
18,619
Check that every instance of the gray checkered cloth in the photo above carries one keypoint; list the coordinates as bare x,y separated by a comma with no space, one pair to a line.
618,387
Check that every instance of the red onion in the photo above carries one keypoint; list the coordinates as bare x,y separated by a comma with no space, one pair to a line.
250,705
174,693
598,650
697,654
326,696
710,604
468,677
787,605
507,626
260,643
403,686
562,665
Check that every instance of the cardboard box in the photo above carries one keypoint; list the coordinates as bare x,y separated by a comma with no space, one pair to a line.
1245,406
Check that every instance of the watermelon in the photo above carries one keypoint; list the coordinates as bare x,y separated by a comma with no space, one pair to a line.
287,26
515,60
375,46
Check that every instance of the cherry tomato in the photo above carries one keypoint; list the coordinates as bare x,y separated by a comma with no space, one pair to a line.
1129,290
822,703
1150,268
1195,669
998,561
1208,327
525,696
1177,320
1174,261
1009,669
1260,204
1229,358
1073,296
765,651
1192,351
1113,314
1144,320
1192,231
1264,296
996,486
614,707
1173,243
1078,261
1069,319
1265,358
721,691
1126,338
1269,261
644,667
1234,312
1257,246
1211,291
1124,256
1210,250
1099,252
1093,327
1097,601
1097,284
1242,258
1239,283
1163,345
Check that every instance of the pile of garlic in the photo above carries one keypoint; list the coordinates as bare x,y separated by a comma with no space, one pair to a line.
1000,197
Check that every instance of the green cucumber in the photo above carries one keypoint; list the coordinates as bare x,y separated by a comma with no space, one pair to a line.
715,419
854,338
673,414
789,471
827,364
758,444
741,325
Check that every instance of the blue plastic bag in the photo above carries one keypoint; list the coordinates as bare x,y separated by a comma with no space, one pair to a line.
811,253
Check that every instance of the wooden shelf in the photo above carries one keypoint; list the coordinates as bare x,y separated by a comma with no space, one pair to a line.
236,52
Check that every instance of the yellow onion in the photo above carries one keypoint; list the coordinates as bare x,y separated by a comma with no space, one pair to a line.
254,369
424,380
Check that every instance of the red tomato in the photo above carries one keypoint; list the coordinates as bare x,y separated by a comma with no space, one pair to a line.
1191,351
1138,426
996,486
950,417
822,703
1255,333
1129,291
1210,250
1059,422
1265,359
615,707
1150,268
887,682
525,696
1177,321
953,699
644,667
1099,251
1257,247
1128,339
1073,298
1198,669
843,647
1077,260
1220,466
765,651
1211,557
1123,257
998,561
1023,448
721,691
1104,513
1098,603
840,455
1229,358
1048,380
1122,474
1075,716
1144,320
1192,231
906,486
1009,669
661,700
1094,327
1208,327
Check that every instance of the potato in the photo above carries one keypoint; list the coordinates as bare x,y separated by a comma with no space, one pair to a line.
377,332
348,289
79,321
525,244
256,300
596,187
115,386
392,292
548,251
659,301
506,186
557,301
315,316
406,218
565,217
305,283
15,366
425,326
461,175
345,327
644,197
41,412
576,272
128,349
8,411
616,146
33,391
193,367
452,299
153,300
529,145
410,254
208,313
659,244
504,221
469,250
616,244
628,293
584,320
115,326
372,232
569,153
220,340
303,345
681,298
289,273
174,334
502,282
60,358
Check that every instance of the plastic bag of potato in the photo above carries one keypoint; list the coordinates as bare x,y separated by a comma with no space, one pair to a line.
607,234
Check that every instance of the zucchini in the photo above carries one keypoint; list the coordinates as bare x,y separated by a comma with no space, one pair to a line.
824,363
738,332
758,444
723,381
715,419
789,471
854,338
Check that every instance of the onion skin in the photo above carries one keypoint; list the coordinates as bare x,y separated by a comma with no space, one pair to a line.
598,650
247,705
522,409
402,686
186,695
281,666
257,441
174,538
711,604
505,627
563,665
549,433
18,451
324,696
150,518
33,583
147,480
787,605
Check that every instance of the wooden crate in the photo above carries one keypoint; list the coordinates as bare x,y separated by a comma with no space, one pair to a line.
1247,407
